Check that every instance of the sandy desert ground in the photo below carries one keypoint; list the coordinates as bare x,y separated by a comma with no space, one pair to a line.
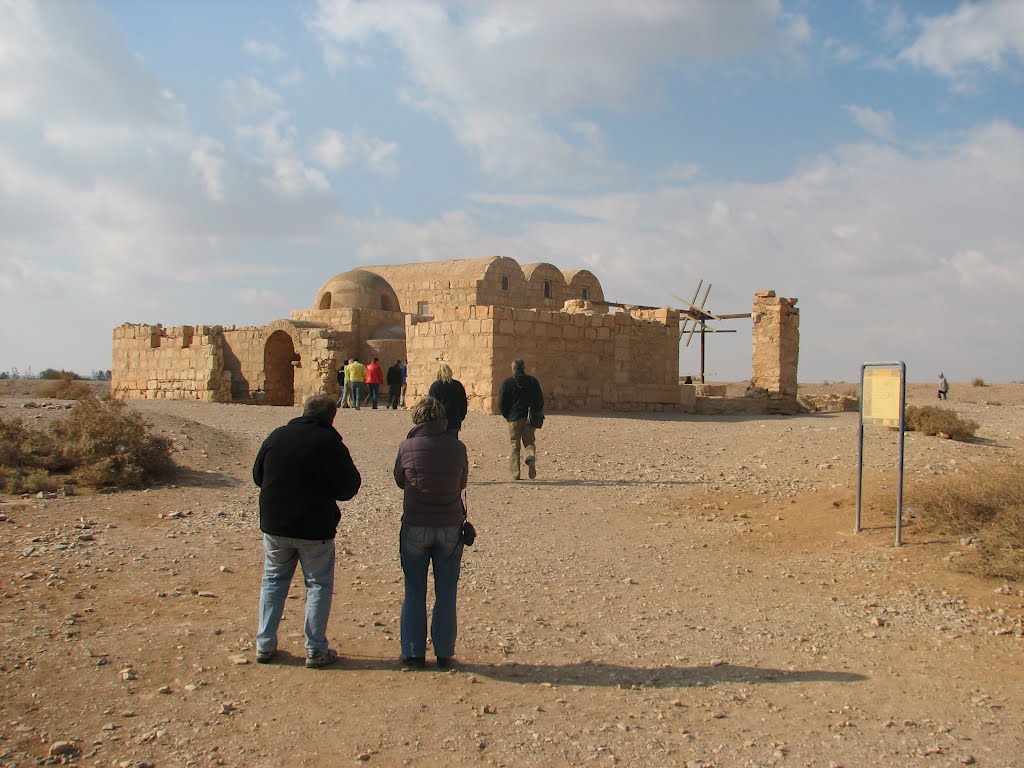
670,591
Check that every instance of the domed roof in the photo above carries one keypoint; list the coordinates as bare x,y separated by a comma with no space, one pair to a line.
357,289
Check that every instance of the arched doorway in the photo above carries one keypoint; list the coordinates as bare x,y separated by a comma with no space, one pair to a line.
278,356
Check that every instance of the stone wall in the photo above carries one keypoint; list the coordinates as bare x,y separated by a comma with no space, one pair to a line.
776,345
584,360
180,363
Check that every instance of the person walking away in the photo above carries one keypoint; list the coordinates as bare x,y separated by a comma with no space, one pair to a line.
302,469
452,395
356,373
394,379
432,468
518,394
374,378
342,386
405,379
943,387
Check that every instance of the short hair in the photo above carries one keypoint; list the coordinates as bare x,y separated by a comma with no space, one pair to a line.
519,365
444,372
428,409
323,408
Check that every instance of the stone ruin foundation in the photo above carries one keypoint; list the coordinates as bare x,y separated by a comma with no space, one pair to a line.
477,315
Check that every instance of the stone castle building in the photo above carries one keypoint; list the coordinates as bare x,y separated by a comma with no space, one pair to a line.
476,314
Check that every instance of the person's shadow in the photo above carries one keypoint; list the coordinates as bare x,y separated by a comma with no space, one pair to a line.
595,673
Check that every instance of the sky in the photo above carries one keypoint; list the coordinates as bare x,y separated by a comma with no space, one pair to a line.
195,162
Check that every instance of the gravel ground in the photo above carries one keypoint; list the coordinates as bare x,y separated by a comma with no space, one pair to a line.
671,590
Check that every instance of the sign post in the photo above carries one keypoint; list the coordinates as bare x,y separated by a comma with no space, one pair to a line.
883,397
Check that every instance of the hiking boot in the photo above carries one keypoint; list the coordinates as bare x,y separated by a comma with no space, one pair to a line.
445,662
265,657
413,662
321,657
531,468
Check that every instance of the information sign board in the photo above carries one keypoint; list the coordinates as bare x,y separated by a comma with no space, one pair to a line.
881,406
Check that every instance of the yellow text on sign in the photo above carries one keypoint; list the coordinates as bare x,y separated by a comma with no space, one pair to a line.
881,397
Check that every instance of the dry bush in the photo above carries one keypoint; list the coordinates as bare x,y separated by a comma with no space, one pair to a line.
26,457
110,446
64,389
100,444
932,420
987,504
978,382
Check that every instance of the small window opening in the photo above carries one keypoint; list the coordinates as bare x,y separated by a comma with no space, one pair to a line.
423,308
547,289
586,293
504,283
325,301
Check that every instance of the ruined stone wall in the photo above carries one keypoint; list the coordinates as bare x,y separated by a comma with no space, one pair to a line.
180,363
776,345
584,361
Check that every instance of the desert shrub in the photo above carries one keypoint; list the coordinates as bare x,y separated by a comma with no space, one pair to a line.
987,504
979,382
111,446
64,389
932,420
26,457
53,374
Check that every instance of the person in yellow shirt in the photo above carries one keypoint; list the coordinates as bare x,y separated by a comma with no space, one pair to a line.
356,374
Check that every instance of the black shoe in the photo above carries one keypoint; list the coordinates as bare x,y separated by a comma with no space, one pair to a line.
445,662
414,662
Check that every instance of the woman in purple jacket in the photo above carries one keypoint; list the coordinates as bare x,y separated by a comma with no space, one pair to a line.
432,467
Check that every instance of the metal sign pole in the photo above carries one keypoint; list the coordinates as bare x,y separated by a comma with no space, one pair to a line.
881,406
860,450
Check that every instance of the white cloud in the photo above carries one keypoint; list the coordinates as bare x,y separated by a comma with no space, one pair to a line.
533,63
334,151
331,150
207,159
264,50
976,34
877,123
902,242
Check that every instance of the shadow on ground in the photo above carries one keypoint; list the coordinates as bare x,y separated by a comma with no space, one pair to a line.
612,675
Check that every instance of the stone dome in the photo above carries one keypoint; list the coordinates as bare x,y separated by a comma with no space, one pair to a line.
357,289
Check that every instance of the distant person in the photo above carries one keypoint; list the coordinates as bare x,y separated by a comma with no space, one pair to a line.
452,395
302,469
394,380
356,373
519,394
432,469
342,389
943,387
688,380
405,379
374,378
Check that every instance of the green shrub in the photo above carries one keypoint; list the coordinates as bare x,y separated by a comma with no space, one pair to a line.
110,446
64,389
986,504
979,382
933,420
51,373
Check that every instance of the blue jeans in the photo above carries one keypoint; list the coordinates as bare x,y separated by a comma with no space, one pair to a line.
282,553
419,547
374,394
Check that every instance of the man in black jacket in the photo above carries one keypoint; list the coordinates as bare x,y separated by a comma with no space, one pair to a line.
302,469
518,394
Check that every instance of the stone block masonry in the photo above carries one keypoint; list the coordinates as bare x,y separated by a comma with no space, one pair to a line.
776,346
182,363
584,360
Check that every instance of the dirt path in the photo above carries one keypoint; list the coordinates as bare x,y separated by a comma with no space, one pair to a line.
670,591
